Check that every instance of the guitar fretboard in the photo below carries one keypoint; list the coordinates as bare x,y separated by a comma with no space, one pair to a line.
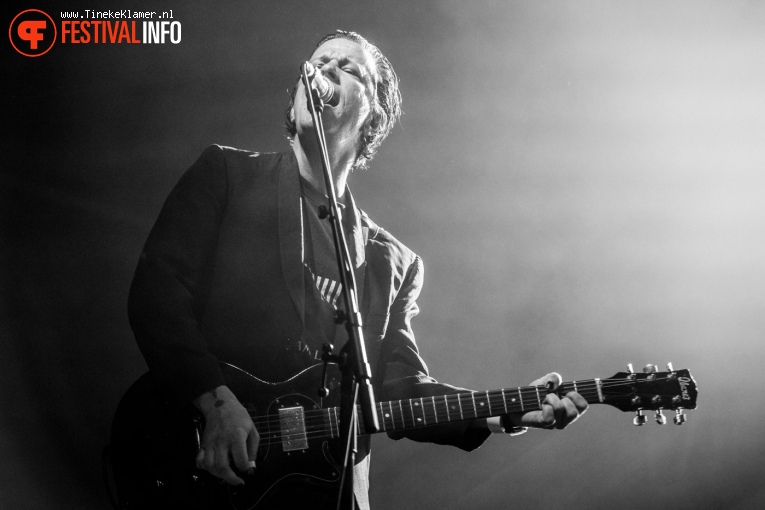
428,411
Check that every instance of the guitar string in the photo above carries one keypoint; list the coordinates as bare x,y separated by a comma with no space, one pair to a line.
454,399
582,386
314,432
319,432
321,429
316,424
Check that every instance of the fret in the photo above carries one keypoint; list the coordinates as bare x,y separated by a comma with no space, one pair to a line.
401,410
424,418
539,400
488,402
512,401
392,419
574,383
337,421
435,411
600,390
520,397
459,402
418,412
482,407
475,409
504,400
382,417
448,417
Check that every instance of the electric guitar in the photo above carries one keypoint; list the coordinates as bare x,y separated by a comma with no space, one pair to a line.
153,447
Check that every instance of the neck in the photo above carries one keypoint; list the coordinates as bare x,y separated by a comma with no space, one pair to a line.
309,161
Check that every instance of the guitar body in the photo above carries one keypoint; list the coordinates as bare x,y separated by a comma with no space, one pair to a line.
154,447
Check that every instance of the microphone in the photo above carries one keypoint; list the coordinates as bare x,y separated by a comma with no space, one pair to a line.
323,87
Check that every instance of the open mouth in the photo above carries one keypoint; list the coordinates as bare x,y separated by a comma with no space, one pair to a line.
333,101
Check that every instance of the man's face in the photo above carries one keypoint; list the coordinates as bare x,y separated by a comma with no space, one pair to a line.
352,71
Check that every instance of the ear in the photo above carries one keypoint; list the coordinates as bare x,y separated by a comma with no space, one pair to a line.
371,124
292,114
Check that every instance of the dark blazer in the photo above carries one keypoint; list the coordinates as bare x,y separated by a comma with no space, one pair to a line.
221,278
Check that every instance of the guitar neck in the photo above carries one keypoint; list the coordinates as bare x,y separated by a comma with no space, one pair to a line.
426,411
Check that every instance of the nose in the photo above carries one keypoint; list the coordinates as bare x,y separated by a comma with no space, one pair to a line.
329,70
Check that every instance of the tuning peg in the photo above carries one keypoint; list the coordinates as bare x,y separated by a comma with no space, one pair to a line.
639,418
630,369
680,417
669,367
650,369
660,418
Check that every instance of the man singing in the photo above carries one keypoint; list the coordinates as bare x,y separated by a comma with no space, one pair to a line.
240,268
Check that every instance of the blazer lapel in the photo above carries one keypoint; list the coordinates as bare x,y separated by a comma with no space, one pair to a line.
291,230
359,237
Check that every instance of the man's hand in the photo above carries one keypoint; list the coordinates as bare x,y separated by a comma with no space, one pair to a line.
229,435
556,412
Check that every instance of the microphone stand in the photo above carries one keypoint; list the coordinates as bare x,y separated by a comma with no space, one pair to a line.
356,373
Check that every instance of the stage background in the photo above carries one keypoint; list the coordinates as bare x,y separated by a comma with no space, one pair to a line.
583,179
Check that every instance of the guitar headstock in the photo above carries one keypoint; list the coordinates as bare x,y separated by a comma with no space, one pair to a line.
652,390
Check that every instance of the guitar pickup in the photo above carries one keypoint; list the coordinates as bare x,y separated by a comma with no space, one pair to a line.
292,426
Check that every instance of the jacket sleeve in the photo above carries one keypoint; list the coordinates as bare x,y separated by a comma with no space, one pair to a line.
406,374
168,288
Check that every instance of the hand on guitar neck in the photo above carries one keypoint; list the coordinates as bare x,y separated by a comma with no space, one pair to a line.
556,412
229,434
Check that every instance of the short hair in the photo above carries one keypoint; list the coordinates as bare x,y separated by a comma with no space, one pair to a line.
387,101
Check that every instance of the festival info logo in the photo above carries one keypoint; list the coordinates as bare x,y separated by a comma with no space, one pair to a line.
32,33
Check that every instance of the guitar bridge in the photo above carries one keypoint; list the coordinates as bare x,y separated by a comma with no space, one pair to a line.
292,425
